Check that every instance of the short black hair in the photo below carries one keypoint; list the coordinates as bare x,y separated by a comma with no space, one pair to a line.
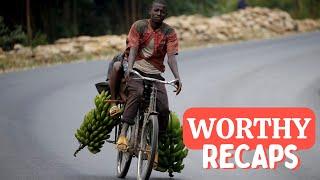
163,2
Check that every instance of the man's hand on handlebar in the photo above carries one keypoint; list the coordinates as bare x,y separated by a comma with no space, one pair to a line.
178,85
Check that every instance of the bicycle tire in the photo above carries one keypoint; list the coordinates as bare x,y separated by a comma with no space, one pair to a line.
152,120
123,167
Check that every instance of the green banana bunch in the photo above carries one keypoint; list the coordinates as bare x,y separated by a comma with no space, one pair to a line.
96,126
171,149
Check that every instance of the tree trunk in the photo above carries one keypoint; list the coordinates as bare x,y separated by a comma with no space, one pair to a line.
117,17
29,29
44,16
139,10
74,18
52,19
126,12
314,8
134,10
66,18
298,8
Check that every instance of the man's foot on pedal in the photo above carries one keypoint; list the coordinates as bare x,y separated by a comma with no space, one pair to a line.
122,144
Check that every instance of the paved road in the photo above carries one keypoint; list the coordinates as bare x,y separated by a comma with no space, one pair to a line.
40,109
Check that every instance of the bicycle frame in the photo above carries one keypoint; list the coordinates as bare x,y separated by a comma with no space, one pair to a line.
151,107
140,144
151,110
143,118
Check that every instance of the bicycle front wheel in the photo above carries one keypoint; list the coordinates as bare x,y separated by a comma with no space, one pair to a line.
124,158
148,148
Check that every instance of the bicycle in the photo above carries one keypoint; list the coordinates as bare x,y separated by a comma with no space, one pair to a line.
143,135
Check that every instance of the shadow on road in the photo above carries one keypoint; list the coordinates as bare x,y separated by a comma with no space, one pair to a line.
164,178
95,177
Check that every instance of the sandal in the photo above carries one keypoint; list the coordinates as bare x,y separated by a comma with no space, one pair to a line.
114,110
122,144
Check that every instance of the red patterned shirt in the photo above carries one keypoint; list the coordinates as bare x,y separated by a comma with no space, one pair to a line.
165,41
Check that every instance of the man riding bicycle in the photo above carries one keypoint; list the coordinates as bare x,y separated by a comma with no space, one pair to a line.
149,41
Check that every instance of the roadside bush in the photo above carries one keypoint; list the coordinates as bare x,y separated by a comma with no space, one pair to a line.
10,37
39,39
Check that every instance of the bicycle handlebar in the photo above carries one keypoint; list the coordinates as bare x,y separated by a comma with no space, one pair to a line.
155,80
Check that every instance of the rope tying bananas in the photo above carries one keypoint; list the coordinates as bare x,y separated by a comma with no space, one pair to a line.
96,125
171,149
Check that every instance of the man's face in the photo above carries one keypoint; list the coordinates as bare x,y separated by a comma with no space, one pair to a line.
158,12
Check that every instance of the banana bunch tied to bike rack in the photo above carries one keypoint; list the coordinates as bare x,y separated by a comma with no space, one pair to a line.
96,126
171,149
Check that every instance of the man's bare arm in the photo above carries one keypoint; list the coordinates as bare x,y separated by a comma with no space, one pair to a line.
131,58
174,68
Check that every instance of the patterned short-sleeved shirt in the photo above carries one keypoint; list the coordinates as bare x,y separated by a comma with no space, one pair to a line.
165,41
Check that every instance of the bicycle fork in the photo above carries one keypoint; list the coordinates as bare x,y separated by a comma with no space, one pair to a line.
151,111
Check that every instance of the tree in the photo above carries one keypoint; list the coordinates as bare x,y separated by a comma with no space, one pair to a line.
29,29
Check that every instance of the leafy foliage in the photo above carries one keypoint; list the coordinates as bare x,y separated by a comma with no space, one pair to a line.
58,18
297,8
39,39
10,37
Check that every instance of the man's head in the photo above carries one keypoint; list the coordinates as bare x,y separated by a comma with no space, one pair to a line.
158,11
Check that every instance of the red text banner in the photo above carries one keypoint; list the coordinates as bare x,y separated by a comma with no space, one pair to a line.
251,126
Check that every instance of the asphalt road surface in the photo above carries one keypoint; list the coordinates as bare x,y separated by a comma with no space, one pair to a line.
41,109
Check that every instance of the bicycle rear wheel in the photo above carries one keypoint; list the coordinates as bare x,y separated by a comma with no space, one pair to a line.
149,137
124,158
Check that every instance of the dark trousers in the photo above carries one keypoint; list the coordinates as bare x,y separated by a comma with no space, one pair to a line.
135,98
